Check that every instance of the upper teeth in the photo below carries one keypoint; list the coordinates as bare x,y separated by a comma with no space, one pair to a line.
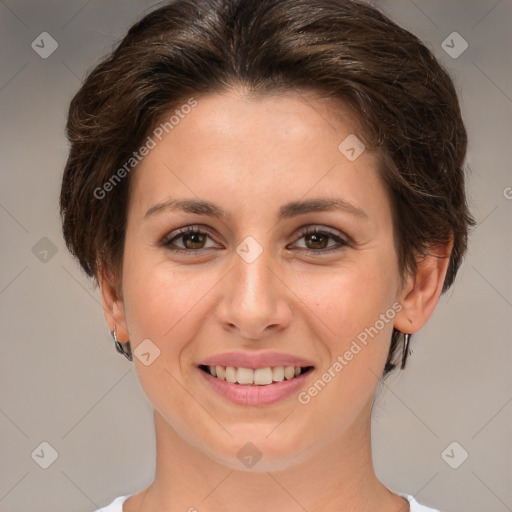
259,376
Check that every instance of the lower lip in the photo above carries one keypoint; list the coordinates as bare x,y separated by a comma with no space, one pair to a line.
245,394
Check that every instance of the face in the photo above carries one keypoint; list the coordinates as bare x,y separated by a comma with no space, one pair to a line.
265,273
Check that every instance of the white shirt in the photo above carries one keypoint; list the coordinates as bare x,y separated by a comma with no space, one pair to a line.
117,504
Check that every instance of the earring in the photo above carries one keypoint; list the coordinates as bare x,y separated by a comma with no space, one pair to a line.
406,351
123,348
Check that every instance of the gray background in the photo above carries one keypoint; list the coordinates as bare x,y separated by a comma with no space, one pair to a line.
61,380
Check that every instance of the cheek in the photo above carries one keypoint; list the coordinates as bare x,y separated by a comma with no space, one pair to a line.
159,299
357,307
354,309
352,298
159,305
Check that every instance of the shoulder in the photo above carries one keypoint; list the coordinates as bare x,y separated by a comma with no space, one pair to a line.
414,505
115,506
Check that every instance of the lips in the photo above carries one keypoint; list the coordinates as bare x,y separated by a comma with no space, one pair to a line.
255,360
255,378
253,394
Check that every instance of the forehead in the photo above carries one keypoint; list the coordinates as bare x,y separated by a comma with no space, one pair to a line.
237,144
258,119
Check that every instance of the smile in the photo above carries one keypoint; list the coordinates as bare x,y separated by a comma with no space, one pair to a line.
255,387
255,376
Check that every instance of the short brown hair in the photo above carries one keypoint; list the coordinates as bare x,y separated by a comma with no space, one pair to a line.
342,49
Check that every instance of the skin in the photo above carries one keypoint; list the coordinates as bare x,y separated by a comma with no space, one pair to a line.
250,156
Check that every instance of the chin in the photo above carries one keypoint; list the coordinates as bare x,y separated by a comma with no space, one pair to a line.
261,452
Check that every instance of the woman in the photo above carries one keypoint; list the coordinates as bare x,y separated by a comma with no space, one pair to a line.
270,195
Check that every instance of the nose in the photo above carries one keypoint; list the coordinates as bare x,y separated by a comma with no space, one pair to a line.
255,303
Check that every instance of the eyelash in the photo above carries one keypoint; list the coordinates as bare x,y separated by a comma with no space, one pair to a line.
342,243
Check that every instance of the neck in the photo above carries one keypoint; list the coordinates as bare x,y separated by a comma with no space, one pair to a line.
337,477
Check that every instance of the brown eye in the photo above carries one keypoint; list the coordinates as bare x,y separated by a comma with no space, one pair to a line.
192,239
195,239
317,241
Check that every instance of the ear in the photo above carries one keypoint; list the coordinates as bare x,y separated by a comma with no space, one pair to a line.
113,305
421,292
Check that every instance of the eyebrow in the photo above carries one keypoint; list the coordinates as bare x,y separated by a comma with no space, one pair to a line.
289,210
